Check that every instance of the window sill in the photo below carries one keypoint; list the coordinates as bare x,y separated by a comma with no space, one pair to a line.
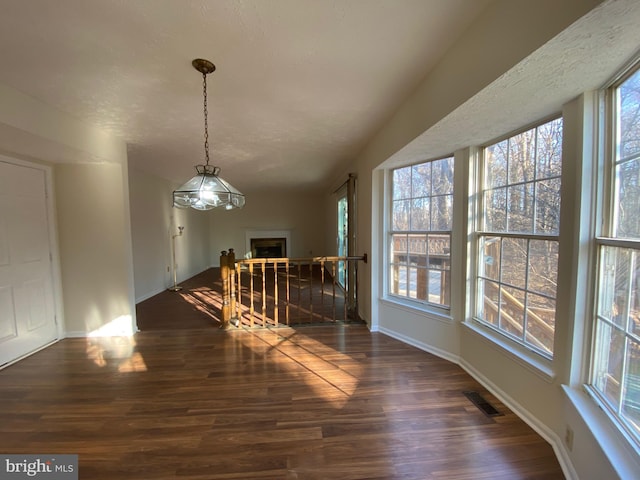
530,360
621,452
417,308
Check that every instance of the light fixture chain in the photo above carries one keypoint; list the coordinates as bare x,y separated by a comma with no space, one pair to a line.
206,119
207,190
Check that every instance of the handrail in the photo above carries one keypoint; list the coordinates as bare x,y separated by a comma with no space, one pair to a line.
278,288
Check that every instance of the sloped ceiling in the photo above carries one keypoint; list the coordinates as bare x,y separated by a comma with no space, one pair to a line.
300,86
584,57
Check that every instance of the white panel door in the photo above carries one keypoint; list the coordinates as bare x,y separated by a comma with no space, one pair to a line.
27,312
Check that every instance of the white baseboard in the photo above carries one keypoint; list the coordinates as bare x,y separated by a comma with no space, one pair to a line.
76,334
147,296
155,292
422,346
22,357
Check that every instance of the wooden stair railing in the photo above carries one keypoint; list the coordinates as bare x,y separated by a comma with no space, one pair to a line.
270,292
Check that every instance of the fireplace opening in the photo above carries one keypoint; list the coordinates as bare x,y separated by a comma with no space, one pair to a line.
268,247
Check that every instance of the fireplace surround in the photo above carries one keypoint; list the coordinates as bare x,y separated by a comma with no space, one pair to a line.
268,243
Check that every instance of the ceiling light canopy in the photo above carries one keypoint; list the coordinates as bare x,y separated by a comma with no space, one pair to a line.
207,190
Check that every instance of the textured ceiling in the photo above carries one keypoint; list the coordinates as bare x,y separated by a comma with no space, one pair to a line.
582,58
300,86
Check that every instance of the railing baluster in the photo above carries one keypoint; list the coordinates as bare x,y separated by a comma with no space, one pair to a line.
322,289
333,285
299,267
344,290
311,291
251,308
264,293
287,304
275,292
355,296
239,289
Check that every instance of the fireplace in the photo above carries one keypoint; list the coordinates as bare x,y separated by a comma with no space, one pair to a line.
268,243
268,247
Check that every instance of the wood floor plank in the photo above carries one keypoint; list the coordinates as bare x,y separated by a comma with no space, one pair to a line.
313,402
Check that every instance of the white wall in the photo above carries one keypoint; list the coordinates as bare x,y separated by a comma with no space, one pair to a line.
94,240
91,207
301,213
154,221
151,212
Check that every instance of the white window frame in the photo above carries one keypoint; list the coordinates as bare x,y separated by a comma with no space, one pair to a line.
425,305
538,359
605,238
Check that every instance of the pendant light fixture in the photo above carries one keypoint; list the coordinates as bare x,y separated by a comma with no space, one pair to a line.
207,190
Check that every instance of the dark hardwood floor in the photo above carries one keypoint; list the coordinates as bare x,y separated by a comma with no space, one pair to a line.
197,305
312,402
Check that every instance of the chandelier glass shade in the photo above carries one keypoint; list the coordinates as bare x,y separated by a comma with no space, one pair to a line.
207,190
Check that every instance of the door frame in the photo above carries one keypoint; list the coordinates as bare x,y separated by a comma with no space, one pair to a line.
56,276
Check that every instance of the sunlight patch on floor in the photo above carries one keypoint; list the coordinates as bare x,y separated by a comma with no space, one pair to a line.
114,343
204,300
330,374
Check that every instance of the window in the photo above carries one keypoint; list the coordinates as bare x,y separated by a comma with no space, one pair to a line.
615,367
420,233
517,237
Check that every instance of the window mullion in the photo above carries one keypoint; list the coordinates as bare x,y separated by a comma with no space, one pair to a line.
626,328
524,236
623,376
618,243
525,322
